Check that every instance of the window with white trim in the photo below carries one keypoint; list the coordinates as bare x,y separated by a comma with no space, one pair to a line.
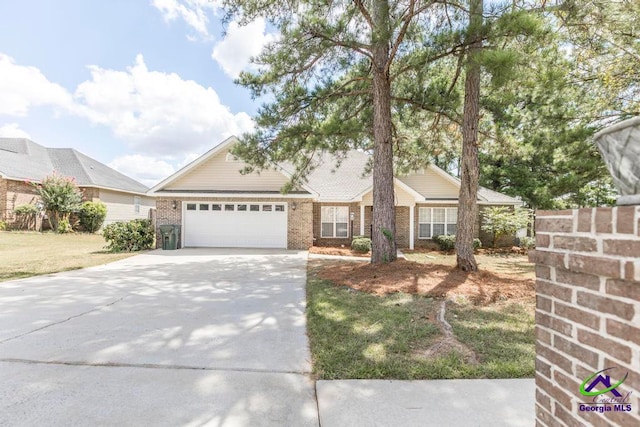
334,221
436,221
136,204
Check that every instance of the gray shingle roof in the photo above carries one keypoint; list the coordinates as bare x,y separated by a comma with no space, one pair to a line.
24,159
345,182
341,183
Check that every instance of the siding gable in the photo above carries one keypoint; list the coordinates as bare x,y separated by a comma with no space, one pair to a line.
219,174
403,198
431,185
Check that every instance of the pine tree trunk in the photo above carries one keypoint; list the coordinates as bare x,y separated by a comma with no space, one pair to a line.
470,173
384,222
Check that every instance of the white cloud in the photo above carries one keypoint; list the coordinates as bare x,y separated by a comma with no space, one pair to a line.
158,113
240,44
193,12
12,130
145,169
23,87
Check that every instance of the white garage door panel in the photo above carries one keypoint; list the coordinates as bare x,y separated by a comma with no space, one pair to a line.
222,228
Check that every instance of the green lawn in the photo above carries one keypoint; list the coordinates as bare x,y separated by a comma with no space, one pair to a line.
359,335
24,254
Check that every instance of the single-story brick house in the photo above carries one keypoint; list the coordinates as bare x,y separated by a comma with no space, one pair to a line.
23,161
217,206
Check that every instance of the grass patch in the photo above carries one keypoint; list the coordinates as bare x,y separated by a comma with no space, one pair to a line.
360,335
26,254
502,337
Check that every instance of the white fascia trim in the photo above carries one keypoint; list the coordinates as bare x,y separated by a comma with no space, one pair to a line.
288,174
455,202
206,156
119,190
232,195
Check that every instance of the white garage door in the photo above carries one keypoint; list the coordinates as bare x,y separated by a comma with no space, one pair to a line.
235,224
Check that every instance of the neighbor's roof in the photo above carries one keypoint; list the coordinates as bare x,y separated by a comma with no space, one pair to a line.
23,159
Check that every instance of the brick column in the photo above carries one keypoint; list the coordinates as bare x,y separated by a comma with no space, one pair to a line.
587,315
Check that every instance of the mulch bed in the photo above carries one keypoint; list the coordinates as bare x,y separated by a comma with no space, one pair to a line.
331,250
433,280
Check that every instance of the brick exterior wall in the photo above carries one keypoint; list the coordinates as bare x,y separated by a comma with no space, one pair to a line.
588,312
14,194
17,193
299,220
402,226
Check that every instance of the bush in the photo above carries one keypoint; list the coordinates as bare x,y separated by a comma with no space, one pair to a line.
502,221
527,242
3,225
26,216
92,215
135,235
477,244
26,210
361,244
448,242
64,226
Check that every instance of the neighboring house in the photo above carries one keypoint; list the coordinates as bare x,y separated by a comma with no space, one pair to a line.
23,161
217,206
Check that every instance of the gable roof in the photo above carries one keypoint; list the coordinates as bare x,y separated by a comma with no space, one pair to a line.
347,182
161,187
337,179
23,159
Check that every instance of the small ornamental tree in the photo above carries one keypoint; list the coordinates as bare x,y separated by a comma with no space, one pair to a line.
502,221
60,197
92,215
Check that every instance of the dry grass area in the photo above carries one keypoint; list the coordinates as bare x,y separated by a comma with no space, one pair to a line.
438,280
25,254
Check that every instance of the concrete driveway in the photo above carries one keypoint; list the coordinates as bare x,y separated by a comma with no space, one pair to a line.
190,337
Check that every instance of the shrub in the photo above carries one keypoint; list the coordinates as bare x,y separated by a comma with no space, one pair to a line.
477,244
361,244
527,242
64,226
92,215
26,210
502,221
3,225
448,242
26,216
135,235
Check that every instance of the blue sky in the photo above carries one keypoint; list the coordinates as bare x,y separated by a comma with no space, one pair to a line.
141,85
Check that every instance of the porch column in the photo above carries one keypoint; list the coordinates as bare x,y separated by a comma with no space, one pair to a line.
362,220
412,225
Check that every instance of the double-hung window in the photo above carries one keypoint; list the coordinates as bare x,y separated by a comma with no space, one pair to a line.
136,204
334,221
436,221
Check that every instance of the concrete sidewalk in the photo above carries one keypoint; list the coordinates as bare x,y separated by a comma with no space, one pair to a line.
448,403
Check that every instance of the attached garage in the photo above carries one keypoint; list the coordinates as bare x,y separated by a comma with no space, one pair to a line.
235,224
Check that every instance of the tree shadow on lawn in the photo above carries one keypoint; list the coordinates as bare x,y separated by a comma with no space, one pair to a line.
355,334
501,335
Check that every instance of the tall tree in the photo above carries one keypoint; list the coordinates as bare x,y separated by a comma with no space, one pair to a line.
470,167
331,75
